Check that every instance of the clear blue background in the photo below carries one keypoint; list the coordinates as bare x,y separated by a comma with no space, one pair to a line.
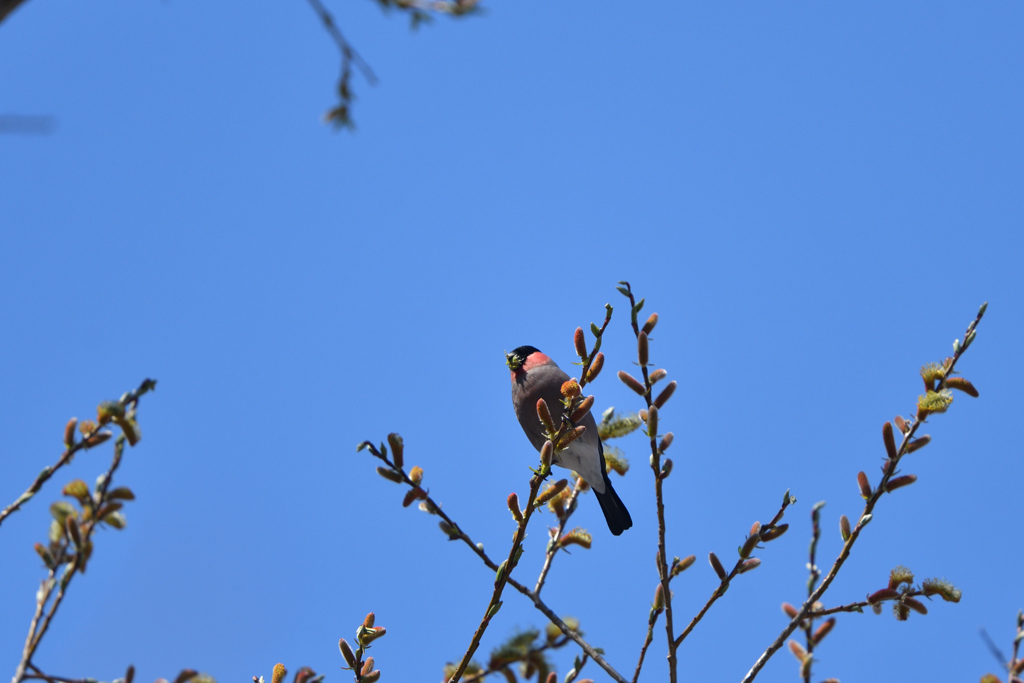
815,198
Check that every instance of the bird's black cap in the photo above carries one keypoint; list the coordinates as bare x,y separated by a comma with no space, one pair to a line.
518,356
525,351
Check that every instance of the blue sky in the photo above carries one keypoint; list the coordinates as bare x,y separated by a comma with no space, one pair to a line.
815,198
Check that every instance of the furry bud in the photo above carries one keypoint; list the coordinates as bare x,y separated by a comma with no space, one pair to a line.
69,432
823,630
513,507
844,527
642,348
584,408
900,482
581,343
865,486
632,382
665,394
716,564
547,452
666,441
397,449
890,440
570,388
658,375
652,422
545,415
595,367
651,322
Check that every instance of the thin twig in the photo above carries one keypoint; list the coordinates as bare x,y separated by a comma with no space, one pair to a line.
348,53
724,585
869,506
37,630
504,570
647,641
812,580
663,569
554,546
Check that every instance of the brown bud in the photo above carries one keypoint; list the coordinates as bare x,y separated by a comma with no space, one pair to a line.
371,677
915,605
397,449
595,367
45,554
884,594
368,621
632,383
69,432
716,564
552,677
651,322
571,388
901,424
666,441
900,482
545,415
747,565
390,474
752,541
774,532
822,631
798,650
367,667
413,494
666,468
71,523
844,527
97,438
513,507
652,421
550,492
642,348
963,385
583,409
279,673
865,486
658,375
581,343
643,414
665,394
576,433
129,675
547,452
790,611
890,440
919,442
416,475
659,598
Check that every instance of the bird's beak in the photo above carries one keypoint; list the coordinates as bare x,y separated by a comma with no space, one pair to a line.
512,361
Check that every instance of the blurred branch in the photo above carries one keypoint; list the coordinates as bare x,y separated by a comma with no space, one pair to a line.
933,401
81,538
8,6
93,438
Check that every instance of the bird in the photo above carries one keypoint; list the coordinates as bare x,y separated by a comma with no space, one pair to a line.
535,376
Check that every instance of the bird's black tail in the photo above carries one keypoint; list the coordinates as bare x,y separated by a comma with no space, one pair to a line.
615,513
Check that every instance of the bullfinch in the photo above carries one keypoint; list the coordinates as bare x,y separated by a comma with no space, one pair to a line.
535,376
